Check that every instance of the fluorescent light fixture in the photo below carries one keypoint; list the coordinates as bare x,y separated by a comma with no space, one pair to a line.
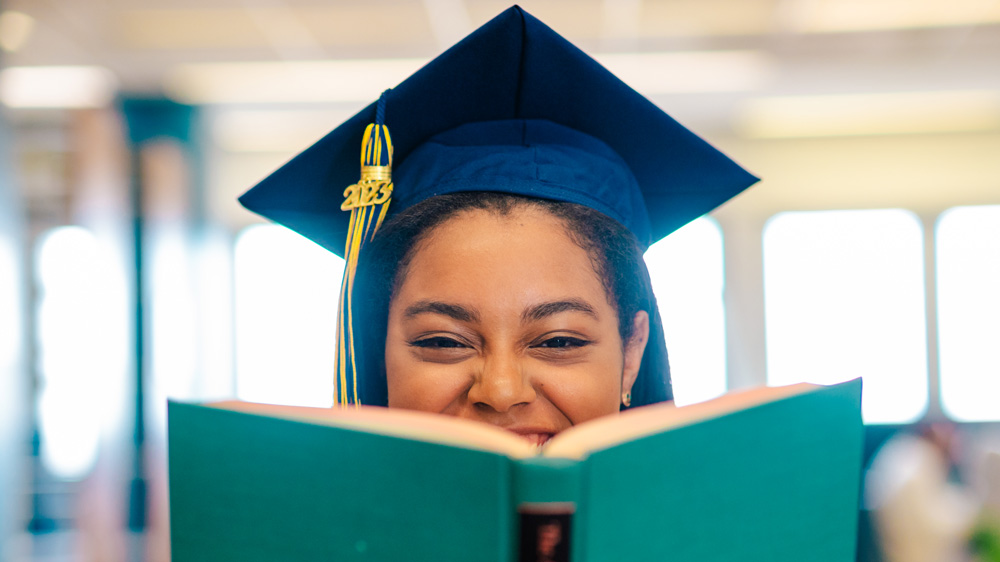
869,114
691,71
57,86
15,28
287,82
273,130
361,80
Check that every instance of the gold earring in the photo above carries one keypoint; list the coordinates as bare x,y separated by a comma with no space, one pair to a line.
627,399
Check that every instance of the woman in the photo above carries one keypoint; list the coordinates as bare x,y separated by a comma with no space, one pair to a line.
507,283
485,322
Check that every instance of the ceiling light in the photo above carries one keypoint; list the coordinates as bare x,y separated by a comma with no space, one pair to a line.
361,80
869,114
278,130
15,28
693,71
287,82
57,86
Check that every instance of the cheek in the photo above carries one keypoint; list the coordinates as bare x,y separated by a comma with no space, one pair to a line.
585,391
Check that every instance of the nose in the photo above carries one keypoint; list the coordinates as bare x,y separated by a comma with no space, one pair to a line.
501,384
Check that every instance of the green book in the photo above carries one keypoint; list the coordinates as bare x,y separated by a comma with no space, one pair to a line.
770,474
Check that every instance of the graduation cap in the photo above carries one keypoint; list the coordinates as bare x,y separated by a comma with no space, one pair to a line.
514,108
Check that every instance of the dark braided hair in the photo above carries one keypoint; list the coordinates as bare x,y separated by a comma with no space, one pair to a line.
613,250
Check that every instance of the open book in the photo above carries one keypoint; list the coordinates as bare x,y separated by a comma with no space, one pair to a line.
767,474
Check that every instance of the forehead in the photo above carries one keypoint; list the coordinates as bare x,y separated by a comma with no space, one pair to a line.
521,256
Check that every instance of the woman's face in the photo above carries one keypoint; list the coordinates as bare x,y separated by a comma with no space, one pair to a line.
502,319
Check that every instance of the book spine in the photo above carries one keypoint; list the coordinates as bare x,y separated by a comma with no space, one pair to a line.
546,496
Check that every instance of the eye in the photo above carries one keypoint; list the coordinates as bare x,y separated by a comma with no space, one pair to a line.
563,342
438,342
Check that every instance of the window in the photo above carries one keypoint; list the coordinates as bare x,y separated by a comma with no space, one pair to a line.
189,316
686,269
968,285
81,330
287,289
844,297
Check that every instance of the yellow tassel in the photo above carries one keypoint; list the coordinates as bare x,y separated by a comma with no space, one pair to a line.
368,201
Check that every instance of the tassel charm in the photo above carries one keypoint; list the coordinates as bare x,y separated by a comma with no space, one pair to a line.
368,202
375,185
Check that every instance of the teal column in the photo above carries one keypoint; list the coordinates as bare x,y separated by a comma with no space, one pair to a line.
146,120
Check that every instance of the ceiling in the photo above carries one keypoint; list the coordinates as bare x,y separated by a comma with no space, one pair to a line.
736,71
802,46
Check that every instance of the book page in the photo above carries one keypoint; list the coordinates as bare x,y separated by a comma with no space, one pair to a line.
577,441
408,424
574,443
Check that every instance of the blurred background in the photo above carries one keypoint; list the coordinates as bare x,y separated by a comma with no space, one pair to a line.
130,275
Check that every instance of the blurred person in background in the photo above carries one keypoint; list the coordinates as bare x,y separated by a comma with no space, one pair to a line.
922,510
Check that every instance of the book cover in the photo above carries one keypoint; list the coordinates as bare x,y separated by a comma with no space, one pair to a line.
772,474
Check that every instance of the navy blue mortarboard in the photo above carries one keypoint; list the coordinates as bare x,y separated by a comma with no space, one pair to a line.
513,108
512,68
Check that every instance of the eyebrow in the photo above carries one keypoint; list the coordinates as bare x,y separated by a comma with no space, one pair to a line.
458,312
545,309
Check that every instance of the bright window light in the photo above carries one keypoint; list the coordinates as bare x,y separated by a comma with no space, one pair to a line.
172,319
80,328
968,278
213,287
844,298
286,316
686,269
190,318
